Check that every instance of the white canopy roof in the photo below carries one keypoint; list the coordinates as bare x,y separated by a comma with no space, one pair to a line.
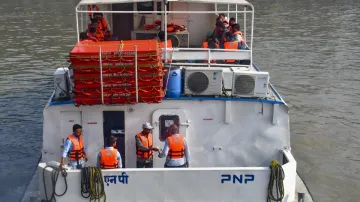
87,2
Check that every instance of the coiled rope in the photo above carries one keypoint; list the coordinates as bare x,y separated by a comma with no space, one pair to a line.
54,177
277,176
92,184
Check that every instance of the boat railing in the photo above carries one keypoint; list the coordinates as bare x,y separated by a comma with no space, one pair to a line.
251,183
205,56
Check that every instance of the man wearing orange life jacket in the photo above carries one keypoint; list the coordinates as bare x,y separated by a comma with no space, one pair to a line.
103,25
74,149
144,147
176,150
237,35
98,32
91,35
109,157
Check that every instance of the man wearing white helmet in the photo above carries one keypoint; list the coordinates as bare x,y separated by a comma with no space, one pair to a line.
144,147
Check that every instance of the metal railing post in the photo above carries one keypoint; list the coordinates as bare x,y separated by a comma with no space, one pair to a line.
245,25
77,25
236,14
136,75
228,13
252,34
101,76
209,57
165,30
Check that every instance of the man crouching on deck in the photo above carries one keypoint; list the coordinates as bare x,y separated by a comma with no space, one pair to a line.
74,149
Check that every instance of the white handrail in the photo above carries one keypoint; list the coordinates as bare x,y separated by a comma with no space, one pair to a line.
136,75
209,64
101,76
244,24
165,29
156,12
205,49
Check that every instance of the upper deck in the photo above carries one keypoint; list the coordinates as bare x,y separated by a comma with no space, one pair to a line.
128,20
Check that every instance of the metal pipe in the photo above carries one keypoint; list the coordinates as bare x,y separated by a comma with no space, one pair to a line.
165,30
206,65
252,34
209,59
175,12
136,75
162,15
228,13
82,21
101,76
236,16
245,24
205,49
77,26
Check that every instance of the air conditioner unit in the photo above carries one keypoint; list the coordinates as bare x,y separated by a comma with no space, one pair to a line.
62,85
250,83
203,80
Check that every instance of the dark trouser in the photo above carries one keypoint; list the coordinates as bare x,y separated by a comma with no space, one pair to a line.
182,166
141,163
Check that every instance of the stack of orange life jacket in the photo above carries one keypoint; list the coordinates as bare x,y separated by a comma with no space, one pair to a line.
170,27
118,72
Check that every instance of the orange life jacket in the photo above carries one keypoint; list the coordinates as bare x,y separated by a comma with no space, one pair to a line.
240,33
77,151
206,45
99,32
146,142
103,24
176,147
90,7
231,45
168,44
92,38
108,158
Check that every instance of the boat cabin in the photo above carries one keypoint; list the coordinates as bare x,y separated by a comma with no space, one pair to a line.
234,121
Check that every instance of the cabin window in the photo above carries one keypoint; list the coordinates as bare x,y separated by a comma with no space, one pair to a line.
166,121
149,6
145,6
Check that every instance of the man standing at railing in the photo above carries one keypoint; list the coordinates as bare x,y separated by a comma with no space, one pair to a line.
176,150
144,147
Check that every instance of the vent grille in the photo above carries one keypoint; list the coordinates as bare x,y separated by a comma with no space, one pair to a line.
197,82
244,84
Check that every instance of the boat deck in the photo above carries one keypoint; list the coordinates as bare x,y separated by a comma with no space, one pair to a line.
32,193
273,98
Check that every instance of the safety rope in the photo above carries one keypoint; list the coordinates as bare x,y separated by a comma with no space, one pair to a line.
92,184
54,177
277,176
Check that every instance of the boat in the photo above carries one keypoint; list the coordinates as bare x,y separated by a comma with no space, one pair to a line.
236,124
